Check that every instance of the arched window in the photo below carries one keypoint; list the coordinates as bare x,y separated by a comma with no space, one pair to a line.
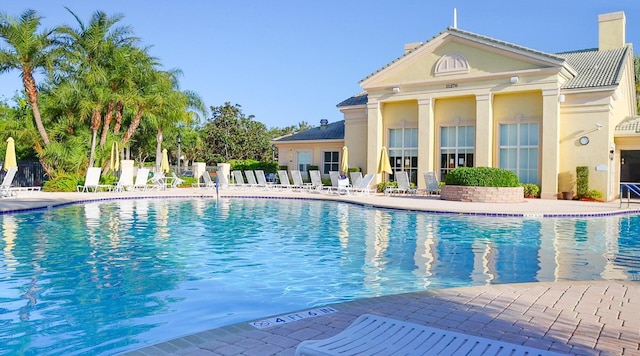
451,64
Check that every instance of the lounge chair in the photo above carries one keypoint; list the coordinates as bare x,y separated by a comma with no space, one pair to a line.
175,180
298,183
284,180
206,181
251,180
158,181
404,187
92,181
316,180
356,177
5,188
431,184
239,180
262,179
335,177
376,335
125,182
141,179
364,187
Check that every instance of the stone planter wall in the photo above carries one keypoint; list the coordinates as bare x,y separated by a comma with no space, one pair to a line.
482,194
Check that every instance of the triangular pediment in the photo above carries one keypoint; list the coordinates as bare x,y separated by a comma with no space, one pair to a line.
455,54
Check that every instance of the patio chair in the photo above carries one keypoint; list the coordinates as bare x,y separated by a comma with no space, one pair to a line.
206,181
431,184
125,182
262,179
298,183
251,180
239,180
92,181
141,179
175,180
335,177
376,335
356,177
404,187
5,188
283,176
158,181
364,187
316,180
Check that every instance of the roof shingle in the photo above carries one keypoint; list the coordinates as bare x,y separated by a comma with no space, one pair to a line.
333,131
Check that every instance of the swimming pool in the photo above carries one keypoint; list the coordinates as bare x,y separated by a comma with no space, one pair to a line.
112,276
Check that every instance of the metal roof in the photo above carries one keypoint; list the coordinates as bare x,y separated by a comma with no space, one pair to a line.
333,131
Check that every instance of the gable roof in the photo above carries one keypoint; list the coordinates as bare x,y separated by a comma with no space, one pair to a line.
592,68
333,131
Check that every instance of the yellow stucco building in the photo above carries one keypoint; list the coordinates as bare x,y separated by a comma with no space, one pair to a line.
463,99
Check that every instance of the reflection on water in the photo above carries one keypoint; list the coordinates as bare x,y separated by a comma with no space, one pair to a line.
110,276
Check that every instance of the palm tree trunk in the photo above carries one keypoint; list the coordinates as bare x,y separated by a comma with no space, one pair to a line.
95,125
119,110
32,94
133,127
159,149
107,122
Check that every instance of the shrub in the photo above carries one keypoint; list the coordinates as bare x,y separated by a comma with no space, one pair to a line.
582,181
383,185
531,190
482,177
63,183
594,194
252,165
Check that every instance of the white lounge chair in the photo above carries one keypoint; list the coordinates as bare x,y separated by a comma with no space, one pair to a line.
431,184
316,180
141,179
262,180
92,181
356,177
125,181
251,180
404,187
298,183
376,335
206,181
175,180
5,188
239,180
335,177
284,180
364,187
158,181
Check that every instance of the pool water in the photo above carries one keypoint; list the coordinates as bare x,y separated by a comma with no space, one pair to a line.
108,277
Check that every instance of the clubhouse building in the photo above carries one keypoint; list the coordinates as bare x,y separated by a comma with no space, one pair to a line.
463,99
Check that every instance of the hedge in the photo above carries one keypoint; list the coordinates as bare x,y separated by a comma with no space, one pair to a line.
482,177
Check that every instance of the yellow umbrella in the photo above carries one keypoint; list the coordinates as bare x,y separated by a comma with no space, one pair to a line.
384,165
164,165
114,162
344,165
10,156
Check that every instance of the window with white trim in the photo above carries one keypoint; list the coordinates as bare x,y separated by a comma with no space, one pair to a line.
403,151
519,150
304,160
330,162
457,144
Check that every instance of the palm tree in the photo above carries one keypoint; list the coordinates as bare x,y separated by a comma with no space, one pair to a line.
28,50
91,50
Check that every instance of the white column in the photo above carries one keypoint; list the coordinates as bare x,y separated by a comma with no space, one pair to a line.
484,131
426,139
550,144
375,134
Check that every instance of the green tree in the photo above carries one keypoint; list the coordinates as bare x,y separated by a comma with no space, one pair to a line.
636,66
91,49
28,50
229,134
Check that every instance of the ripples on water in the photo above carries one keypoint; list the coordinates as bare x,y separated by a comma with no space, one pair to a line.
112,276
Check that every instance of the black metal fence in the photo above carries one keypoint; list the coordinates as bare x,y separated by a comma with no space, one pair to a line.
30,174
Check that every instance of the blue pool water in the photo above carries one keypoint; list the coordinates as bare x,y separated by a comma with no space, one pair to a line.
107,277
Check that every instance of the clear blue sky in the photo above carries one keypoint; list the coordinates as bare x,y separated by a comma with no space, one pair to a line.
292,61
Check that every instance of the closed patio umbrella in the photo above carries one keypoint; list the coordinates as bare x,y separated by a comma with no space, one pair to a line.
344,165
384,166
114,161
164,164
10,156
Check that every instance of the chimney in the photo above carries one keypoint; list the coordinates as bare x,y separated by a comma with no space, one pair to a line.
611,30
411,46
323,124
